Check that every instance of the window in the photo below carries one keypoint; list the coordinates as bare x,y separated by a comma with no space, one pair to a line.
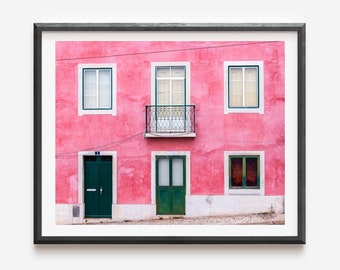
96,89
170,112
244,172
170,83
244,87
170,94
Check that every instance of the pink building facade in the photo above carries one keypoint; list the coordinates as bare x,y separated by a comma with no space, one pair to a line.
146,129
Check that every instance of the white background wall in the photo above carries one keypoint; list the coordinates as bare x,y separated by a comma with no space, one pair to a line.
16,96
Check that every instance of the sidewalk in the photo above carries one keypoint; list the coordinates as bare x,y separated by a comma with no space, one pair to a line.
250,219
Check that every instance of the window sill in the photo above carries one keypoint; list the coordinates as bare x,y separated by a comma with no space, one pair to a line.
245,192
244,111
170,135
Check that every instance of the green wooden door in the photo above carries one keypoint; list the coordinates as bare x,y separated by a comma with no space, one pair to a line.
98,186
170,185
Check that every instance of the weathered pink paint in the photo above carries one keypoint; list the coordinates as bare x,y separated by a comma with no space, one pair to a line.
216,132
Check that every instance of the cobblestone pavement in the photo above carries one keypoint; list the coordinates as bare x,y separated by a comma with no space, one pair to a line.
251,219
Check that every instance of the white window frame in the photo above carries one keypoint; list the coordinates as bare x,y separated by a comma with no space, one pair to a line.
170,64
81,110
260,108
243,191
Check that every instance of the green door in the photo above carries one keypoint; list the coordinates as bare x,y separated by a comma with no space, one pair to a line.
98,186
170,185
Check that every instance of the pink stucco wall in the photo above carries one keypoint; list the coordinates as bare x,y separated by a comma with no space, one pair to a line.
216,132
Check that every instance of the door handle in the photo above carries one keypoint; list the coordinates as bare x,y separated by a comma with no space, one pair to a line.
101,190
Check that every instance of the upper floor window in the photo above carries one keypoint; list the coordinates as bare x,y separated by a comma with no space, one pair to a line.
170,83
97,89
170,112
243,87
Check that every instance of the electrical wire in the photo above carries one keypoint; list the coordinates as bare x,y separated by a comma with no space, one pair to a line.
99,147
166,51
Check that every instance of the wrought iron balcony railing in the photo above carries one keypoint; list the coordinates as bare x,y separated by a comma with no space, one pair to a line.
166,119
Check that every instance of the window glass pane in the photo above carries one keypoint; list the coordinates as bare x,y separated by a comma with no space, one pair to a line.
236,172
163,172
235,87
177,92
90,85
162,72
90,102
104,88
90,76
90,89
251,172
177,172
236,94
251,87
104,76
235,74
250,73
251,94
163,91
178,72
105,99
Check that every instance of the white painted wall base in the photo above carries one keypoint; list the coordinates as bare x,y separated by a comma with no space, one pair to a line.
208,205
133,211
120,212
65,213
196,205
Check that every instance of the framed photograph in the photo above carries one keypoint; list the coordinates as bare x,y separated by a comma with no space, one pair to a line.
169,133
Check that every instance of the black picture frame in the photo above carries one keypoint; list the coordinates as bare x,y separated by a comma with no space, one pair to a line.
42,28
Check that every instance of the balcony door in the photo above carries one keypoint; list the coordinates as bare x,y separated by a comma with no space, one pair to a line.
170,100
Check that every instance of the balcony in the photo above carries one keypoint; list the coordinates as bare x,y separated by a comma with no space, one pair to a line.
170,121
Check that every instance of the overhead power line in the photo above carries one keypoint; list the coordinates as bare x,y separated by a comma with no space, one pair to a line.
101,147
166,51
